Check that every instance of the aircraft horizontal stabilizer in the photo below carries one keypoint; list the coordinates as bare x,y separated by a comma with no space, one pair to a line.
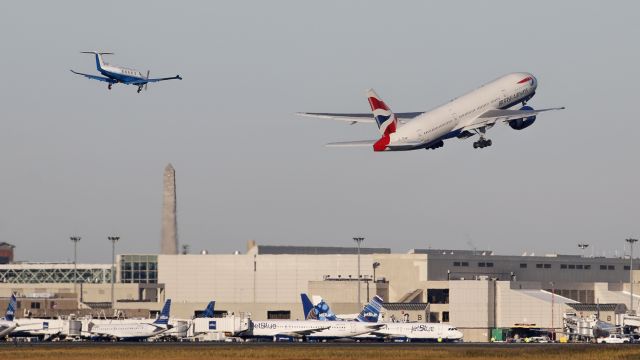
352,143
357,117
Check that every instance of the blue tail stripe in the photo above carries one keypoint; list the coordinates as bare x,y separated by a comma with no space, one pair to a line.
163,319
371,311
307,307
209,311
11,308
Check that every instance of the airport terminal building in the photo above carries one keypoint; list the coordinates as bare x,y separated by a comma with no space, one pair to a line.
476,291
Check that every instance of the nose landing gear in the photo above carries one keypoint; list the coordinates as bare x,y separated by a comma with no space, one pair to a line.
139,89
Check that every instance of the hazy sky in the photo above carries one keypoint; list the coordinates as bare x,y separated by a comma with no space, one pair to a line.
79,159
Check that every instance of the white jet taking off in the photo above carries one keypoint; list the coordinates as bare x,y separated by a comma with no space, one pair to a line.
470,114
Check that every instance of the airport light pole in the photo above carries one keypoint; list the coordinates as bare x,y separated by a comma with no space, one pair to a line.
583,247
75,240
375,266
114,240
631,241
553,293
358,241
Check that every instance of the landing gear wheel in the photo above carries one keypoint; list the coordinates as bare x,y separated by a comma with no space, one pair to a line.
481,143
109,87
139,89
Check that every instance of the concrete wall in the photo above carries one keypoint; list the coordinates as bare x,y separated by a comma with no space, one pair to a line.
529,306
232,279
404,272
471,305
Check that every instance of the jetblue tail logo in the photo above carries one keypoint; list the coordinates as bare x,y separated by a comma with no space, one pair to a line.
208,312
371,311
212,325
385,118
163,319
320,311
11,309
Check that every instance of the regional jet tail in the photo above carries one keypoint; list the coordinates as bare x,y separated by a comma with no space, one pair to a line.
322,311
8,324
116,74
208,311
465,116
132,329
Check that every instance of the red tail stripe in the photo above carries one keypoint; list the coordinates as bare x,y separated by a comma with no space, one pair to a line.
381,144
377,104
524,80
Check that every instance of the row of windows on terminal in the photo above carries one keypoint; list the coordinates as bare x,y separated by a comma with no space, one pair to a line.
543,266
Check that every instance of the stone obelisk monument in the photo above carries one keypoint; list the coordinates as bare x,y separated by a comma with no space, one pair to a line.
169,244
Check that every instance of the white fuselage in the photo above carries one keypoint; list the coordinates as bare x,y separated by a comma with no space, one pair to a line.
39,327
326,329
122,329
421,331
440,122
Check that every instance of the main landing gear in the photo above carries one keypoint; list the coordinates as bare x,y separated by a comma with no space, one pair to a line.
109,87
139,89
482,142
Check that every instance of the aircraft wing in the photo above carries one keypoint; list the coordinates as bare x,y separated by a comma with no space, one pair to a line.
355,118
303,332
95,77
490,117
145,81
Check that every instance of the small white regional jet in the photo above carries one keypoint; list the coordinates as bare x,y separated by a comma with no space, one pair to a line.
462,117
132,329
8,323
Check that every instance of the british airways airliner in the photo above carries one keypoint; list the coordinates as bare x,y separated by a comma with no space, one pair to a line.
463,117
117,74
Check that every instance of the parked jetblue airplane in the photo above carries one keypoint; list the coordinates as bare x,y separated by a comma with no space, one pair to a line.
131,329
470,114
407,331
116,74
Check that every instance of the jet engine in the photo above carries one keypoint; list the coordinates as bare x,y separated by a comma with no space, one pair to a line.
519,124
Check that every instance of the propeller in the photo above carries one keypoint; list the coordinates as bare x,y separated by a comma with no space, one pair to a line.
145,85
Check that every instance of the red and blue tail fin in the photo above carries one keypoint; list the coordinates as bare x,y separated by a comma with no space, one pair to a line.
385,118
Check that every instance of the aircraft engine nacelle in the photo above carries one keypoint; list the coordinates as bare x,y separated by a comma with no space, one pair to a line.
520,124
